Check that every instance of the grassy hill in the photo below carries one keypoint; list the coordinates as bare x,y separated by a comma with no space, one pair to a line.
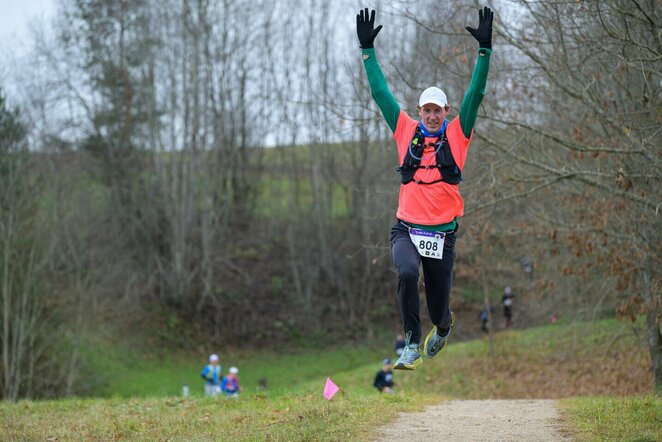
599,368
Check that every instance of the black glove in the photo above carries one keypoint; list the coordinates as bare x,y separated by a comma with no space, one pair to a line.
484,32
365,28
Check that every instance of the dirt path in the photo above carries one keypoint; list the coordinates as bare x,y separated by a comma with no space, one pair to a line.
488,420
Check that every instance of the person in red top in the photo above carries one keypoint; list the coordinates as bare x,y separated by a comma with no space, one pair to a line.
230,385
431,153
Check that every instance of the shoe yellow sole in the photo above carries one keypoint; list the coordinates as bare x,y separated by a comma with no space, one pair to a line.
427,338
413,366
432,333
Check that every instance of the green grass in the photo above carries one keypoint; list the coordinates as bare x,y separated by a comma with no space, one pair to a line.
305,415
128,373
275,197
293,407
615,418
473,293
552,361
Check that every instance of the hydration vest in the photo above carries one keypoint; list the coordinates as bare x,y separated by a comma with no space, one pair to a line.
230,384
448,170
212,374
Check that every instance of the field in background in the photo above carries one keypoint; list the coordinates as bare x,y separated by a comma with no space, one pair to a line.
603,358
615,418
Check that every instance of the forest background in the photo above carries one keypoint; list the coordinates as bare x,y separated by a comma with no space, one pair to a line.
201,174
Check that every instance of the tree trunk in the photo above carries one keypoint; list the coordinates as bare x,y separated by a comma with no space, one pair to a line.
654,320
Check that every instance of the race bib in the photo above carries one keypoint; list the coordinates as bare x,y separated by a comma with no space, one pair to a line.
428,244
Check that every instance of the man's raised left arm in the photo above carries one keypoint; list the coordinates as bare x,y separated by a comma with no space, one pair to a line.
476,90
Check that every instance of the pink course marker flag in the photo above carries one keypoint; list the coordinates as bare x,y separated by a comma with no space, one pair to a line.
330,389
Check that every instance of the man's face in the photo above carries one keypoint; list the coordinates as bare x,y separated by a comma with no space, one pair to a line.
433,116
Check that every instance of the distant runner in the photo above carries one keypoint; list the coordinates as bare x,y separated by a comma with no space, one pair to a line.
384,378
431,152
230,383
211,373
507,301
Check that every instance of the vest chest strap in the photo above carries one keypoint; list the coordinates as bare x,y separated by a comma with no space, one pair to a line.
445,162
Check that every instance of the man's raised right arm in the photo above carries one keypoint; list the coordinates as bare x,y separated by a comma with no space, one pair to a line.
366,33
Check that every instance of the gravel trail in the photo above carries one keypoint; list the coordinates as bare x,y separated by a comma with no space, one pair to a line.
480,420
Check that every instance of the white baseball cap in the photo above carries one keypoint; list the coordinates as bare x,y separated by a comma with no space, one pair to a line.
433,95
213,358
234,370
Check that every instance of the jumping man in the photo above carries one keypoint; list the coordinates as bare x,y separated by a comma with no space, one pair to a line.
431,153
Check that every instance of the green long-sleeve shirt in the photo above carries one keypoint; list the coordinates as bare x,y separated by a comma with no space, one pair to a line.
390,108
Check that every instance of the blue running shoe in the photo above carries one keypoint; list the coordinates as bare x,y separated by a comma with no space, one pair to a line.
435,343
410,357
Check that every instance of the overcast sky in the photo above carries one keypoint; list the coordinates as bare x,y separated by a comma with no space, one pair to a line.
15,19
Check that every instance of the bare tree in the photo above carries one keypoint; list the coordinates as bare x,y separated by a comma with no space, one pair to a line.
590,139
25,258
